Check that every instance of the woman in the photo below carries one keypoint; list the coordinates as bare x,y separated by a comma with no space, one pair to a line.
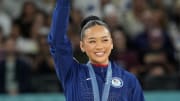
99,79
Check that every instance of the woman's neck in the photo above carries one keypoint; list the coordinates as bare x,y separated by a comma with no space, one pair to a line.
100,65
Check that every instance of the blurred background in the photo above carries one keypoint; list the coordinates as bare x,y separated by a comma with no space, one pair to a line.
146,37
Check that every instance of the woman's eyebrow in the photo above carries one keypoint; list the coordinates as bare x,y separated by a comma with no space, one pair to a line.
105,36
100,37
91,38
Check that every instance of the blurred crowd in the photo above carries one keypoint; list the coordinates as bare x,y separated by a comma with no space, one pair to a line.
146,35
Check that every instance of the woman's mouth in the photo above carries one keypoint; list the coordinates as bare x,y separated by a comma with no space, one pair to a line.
99,54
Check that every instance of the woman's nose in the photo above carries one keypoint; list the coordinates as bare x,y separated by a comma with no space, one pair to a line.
99,45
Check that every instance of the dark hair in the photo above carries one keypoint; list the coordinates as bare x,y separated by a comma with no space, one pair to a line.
26,4
91,21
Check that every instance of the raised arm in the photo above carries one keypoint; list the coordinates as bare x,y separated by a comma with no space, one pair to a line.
60,45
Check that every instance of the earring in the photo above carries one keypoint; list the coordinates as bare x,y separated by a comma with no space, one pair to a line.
83,51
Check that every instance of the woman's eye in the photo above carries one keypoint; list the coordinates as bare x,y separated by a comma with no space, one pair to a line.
105,40
92,41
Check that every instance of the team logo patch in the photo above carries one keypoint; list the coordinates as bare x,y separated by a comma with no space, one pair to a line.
117,82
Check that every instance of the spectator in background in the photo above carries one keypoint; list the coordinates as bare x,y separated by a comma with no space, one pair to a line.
5,21
111,16
122,5
158,57
132,19
24,46
14,71
43,63
88,7
159,76
157,70
104,2
39,26
165,5
157,42
12,7
25,20
81,57
157,4
75,19
176,14
73,33
44,78
46,5
156,64
123,53
1,44
15,33
1,36
155,31
174,28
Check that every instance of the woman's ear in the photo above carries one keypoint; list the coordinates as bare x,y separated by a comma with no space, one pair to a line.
82,46
112,46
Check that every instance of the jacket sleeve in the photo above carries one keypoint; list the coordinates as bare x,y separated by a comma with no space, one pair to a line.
60,46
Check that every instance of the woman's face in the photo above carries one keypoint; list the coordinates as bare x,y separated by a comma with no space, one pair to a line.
97,43
29,8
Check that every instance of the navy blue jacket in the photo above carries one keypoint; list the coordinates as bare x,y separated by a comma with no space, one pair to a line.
75,76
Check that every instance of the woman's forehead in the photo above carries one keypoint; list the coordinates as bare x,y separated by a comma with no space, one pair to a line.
97,31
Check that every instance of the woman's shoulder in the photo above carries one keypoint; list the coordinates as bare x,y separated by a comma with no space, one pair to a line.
129,79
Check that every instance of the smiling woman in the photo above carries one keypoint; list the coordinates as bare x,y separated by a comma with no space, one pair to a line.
98,80
97,44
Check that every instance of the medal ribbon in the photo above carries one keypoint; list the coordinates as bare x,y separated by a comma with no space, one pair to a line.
95,87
